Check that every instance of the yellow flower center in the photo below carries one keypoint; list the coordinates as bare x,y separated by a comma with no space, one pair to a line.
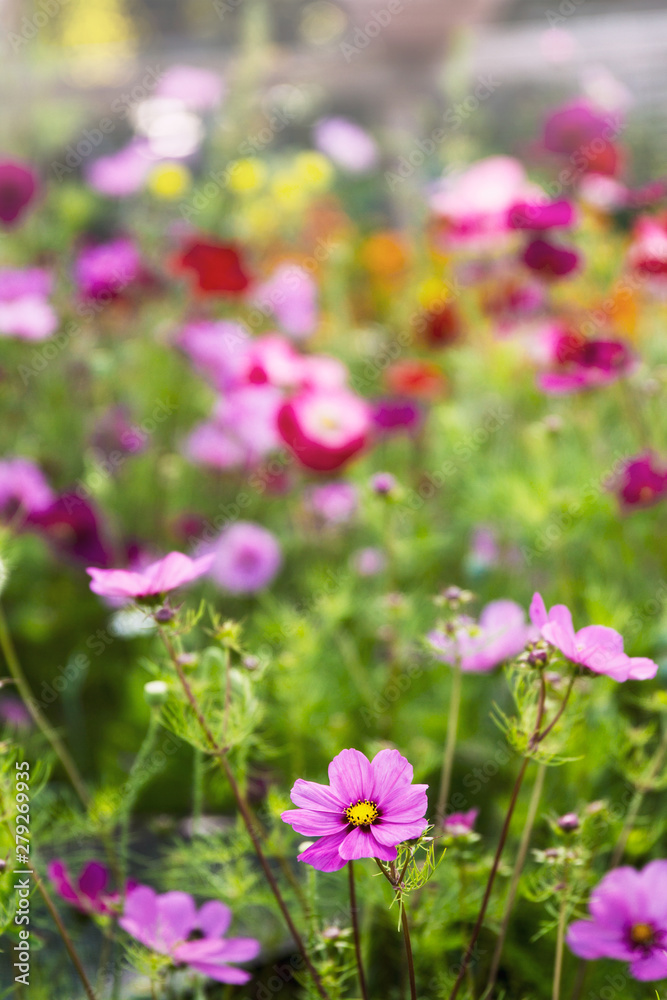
362,813
641,934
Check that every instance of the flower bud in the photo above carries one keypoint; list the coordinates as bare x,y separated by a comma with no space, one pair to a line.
156,693
569,822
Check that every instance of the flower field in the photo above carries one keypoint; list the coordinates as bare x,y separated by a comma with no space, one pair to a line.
333,622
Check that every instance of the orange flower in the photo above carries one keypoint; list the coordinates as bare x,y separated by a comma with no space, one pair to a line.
421,379
385,254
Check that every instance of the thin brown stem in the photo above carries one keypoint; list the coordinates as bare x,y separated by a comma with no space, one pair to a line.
38,716
560,711
354,913
221,755
394,881
516,874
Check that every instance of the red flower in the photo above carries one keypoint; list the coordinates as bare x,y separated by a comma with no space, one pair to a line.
422,379
441,326
217,267
551,261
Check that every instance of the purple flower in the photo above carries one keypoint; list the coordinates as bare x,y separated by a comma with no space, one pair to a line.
395,414
24,308
22,485
347,144
246,558
369,561
175,570
501,633
460,824
290,294
14,713
628,921
72,525
88,892
113,433
368,808
166,924
597,647
104,270
18,187
383,483
540,215
334,502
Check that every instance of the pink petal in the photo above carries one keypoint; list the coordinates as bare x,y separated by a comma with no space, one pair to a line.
214,918
351,776
177,917
641,668
325,854
313,823
390,770
93,879
590,940
62,882
404,803
140,917
650,967
312,795
538,612
358,844
389,834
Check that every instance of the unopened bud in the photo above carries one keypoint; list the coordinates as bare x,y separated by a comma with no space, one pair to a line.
156,693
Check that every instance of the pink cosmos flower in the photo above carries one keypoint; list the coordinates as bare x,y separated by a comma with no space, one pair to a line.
501,633
166,924
22,485
24,308
597,647
324,429
648,251
460,824
175,570
572,131
245,558
540,215
74,528
195,87
290,294
88,892
242,430
123,173
369,561
18,187
347,144
579,363
368,808
628,921
643,482
334,502
218,350
394,414
105,270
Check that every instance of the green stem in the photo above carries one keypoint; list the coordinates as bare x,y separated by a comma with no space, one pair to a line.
408,954
560,942
516,874
38,717
354,913
450,743
138,777
197,790
637,800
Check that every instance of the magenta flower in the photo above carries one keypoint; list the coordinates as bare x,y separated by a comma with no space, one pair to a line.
160,577
460,824
105,270
643,482
540,215
347,144
25,311
325,428
88,892
501,633
22,486
394,414
579,363
290,294
368,808
597,647
628,921
18,187
475,203
166,924
74,528
245,558
549,260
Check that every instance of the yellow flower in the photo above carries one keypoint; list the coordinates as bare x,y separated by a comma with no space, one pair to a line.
169,181
288,190
313,170
246,175
432,292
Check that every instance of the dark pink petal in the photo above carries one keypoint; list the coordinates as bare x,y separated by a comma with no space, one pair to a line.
359,843
177,917
59,875
351,776
390,770
620,898
312,823
217,950
93,879
214,918
311,795
389,834
325,854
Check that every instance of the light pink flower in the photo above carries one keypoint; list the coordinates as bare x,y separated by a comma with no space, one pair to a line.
175,570
460,824
245,558
121,174
22,485
290,294
502,632
24,308
597,647
347,144
197,88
